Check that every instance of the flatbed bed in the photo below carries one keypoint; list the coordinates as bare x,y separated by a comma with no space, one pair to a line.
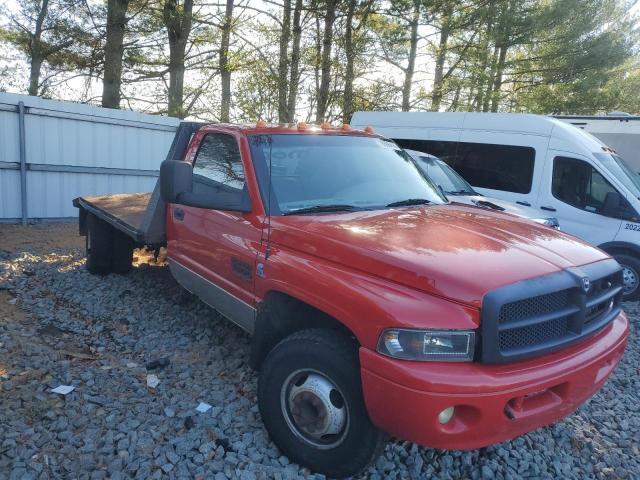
125,211
140,216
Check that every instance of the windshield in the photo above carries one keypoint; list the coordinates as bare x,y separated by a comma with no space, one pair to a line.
621,171
336,170
443,175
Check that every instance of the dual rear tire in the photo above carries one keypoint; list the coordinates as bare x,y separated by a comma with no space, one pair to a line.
108,250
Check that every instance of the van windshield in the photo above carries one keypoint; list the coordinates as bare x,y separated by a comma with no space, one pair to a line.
331,170
622,171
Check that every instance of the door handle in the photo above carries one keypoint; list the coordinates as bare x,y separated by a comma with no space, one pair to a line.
548,209
178,214
526,204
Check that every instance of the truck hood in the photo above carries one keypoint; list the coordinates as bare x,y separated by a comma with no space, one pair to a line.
452,251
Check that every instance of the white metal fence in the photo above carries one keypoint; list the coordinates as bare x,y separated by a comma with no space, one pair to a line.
52,152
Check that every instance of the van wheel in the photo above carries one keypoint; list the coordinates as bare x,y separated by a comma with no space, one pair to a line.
98,245
122,255
630,277
311,402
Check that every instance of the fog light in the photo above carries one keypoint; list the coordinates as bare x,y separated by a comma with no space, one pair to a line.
445,415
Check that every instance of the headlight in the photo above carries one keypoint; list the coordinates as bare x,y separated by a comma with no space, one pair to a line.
549,222
428,345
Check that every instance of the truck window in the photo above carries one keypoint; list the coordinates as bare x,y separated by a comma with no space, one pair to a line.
507,168
579,184
218,163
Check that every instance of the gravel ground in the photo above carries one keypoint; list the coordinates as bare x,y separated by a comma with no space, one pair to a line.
61,325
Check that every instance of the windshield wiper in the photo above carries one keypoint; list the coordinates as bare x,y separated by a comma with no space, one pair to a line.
408,202
461,192
322,209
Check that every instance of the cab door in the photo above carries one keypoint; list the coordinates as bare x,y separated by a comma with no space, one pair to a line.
575,192
213,252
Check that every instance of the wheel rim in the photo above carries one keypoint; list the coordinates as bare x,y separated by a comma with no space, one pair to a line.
315,409
629,279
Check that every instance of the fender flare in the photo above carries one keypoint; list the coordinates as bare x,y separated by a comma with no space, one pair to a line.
612,247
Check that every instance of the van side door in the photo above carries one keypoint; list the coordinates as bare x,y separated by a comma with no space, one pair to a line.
574,191
212,253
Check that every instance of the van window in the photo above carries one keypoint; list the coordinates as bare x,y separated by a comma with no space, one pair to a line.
498,167
218,163
579,184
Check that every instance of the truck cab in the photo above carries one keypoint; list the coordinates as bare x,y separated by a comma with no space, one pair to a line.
376,307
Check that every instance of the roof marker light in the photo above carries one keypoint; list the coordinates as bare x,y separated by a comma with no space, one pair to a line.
346,126
368,129
302,126
325,125
261,124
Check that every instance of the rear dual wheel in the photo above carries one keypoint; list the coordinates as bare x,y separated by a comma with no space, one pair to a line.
108,249
311,402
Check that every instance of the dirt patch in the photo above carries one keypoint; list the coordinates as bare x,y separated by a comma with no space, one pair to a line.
39,239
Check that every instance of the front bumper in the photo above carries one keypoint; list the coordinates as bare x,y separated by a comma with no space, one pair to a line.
493,403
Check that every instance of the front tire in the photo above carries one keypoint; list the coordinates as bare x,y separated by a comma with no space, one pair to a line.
631,277
311,402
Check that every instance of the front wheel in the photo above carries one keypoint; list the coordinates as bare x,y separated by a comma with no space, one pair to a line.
311,402
630,277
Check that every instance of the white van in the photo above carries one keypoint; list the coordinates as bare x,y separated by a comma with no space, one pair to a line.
534,161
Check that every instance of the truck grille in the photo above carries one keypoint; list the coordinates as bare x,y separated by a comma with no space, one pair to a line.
514,327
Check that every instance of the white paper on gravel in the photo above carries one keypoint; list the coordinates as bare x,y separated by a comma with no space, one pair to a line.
63,389
203,407
152,381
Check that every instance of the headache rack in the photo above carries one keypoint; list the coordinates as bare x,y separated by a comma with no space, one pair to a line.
546,313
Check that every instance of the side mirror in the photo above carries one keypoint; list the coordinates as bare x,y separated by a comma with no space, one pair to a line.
176,186
176,177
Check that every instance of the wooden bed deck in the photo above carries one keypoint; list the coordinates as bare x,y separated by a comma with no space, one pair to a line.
125,209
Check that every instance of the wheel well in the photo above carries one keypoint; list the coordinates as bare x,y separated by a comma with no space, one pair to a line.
280,315
621,248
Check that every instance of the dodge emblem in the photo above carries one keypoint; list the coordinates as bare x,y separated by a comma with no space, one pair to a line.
586,284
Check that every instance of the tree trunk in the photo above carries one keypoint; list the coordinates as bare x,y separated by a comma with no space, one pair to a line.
295,62
35,44
505,42
283,64
438,80
484,57
325,77
497,84
413,49
113,51
225,72
34,73
347,109
489,92
178,25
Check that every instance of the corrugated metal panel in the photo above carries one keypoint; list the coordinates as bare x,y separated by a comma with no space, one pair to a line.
75,135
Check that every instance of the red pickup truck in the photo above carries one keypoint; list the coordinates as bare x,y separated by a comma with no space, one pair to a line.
376,306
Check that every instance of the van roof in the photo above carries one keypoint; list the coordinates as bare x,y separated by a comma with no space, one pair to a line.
521,123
